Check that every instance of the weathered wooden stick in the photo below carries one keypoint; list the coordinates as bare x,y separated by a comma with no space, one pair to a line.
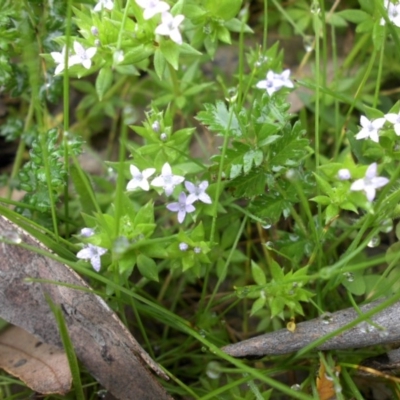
385,330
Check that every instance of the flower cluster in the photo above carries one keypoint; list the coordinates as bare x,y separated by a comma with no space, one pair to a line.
91,252
169,24
275,82
168,181
393,11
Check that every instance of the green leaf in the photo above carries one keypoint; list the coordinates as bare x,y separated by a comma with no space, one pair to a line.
324,185
276,271
354,16
224,9
137,54
324,200
258,274
103,81
147,267
170,51
249,185
220,119
159,63
84,190
258,305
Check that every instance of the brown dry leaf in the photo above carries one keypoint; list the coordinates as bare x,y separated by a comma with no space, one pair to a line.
101,342
325,385
42,367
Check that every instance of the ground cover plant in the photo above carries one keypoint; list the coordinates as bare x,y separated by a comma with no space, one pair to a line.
241,183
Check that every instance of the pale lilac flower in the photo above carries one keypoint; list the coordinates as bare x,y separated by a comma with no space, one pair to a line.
181,207
275,82
370,182
198,192
183,246
87,232
152,7
140,179
170,27
156,126
370,128
395,120
82,56
163,137
59,59
92,253
108,4
344,174
167,180
393,11
94,31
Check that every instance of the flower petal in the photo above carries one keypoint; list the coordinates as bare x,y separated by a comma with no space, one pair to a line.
379,181
174,207
359,184
371,171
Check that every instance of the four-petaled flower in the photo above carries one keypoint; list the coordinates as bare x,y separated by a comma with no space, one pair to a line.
198,192
370,182
82,56
395,120
370,128
140,179
108,4
275,82
92,253
152,7
170,27
59,59
167,180
181,207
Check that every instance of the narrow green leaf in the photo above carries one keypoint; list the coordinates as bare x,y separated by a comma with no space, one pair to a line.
69,350
103,81
258,274
147,267
83,189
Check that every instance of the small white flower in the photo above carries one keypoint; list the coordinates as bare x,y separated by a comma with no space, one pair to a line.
92,253
183,246
87,232
59,59
140,179
152,7
370,128
167,180
163,137
197,250
395,120
344,174
170,27
181,207
393,11
275,82
370,182
198,192
82,56
108,4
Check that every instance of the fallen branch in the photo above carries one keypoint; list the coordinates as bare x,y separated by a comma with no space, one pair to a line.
383,327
